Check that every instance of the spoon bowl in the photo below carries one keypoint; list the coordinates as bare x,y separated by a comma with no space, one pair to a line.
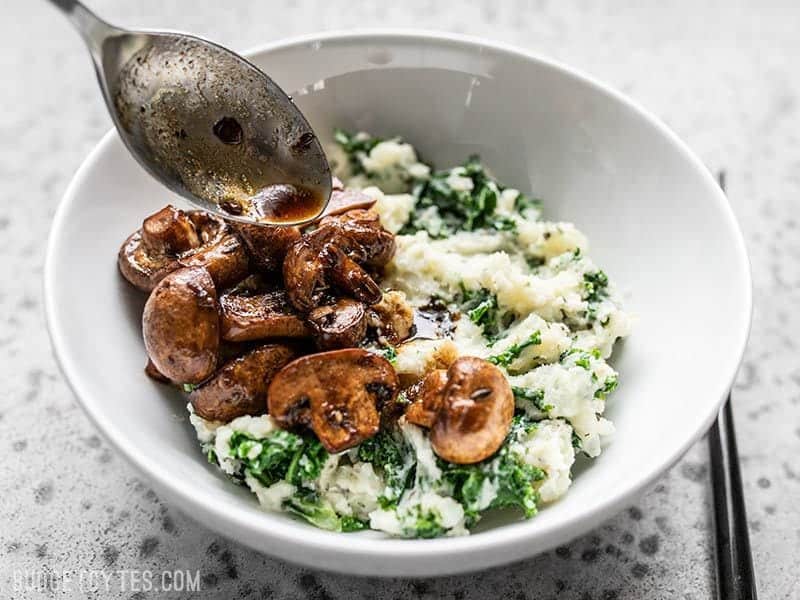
207,123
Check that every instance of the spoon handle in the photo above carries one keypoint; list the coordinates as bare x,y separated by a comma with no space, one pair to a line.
91,27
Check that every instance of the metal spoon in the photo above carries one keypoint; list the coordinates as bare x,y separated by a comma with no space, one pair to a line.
206,123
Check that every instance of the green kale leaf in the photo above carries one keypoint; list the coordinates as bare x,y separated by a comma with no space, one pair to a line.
535,397
281,455
308,505
595,290
459,209
510,354
506,471
356,147
389,454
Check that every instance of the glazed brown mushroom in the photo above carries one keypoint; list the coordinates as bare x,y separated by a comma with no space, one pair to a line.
240,386
339,325
336,252
153,373
339,393
347,275
266,245
425,398
169,231
226,260
171,238
365,229
180,325
304,275
475,412
142,267
345,200
259,316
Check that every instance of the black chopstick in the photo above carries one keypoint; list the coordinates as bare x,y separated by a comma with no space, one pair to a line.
735,576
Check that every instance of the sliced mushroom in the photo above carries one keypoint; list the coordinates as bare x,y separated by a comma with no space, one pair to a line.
340,393
181,325
350,277
304,275
260,316
345,200
339,325
153,373
425,398
475,413
171,238
392,318
169,231
364,228
330,233
266,245
226,260
141,266
240,386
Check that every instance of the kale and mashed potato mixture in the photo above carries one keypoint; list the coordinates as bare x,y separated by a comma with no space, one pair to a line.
487,277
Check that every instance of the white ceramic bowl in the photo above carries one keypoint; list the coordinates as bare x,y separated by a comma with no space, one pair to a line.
656,220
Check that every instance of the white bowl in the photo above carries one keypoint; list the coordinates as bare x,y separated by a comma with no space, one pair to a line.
655,217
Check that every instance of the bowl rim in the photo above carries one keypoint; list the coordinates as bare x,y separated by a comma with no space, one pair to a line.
219,518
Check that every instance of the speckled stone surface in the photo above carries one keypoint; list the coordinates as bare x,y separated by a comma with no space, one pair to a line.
724,75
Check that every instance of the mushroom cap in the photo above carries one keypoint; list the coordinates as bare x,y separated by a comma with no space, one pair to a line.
267,246
240,386
304,275
339,393
180,325
475,413
226,260
170,231
339,325
347,275
364,228
425,398
260,316
172,238
142,267
343,200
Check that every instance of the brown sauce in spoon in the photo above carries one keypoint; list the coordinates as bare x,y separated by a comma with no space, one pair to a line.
277,203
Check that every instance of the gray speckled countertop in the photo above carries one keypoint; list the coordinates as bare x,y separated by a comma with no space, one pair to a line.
724,75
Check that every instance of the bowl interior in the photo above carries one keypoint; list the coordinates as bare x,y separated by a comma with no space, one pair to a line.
655,219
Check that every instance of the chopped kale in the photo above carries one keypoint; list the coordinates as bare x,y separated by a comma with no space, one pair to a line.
481,308
389,353
595,287
509,355
356,146
281,455
353,524
580,358
523,203
535,397
458,209
427,526
609,385
189,387
308,505
306,464
506,472
390,455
